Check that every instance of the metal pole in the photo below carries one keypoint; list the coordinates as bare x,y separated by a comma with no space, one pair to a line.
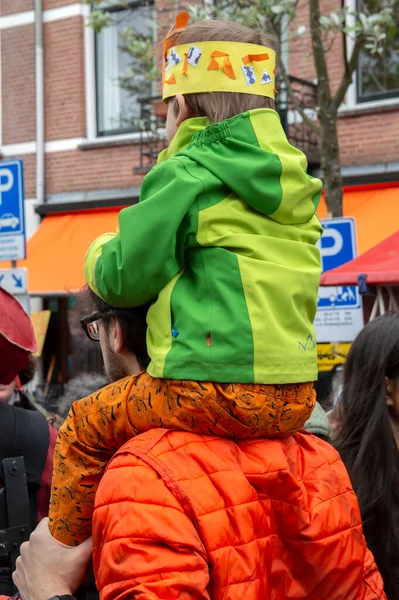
39,102
90,81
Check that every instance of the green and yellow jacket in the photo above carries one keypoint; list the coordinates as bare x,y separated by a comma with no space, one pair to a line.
223,241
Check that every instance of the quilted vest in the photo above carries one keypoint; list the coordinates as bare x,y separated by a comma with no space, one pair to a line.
180,515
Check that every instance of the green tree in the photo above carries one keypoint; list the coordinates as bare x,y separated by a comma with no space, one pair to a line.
370,30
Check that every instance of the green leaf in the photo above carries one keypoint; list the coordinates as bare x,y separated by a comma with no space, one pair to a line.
363,20
349,28
376,19
277,9
325,21
99,20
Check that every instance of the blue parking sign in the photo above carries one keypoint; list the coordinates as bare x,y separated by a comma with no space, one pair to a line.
12,211
339,315
337,247
345,296
338,242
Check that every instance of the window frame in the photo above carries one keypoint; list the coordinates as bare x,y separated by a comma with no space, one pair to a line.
127,131
374,97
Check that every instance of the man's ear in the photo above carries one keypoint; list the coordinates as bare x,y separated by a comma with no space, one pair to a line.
117,340
184,111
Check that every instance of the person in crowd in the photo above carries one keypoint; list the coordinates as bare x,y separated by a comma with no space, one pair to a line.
80,386
23,430
14,392
367,432
318,423
328,387
17,340
225,235
8,393
181,515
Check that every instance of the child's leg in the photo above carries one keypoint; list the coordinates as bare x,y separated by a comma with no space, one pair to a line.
99,425
268,410
96,427
235,410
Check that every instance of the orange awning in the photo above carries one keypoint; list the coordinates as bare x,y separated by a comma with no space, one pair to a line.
376,212
56,251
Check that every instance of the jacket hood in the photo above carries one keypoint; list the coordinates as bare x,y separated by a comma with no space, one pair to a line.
250,154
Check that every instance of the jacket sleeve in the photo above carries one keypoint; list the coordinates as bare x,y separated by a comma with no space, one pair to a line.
131,267
144,545
93,431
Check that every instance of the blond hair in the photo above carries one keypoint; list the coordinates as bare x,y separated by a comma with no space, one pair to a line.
218,106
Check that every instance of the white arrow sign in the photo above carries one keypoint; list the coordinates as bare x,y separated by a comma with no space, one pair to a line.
14,281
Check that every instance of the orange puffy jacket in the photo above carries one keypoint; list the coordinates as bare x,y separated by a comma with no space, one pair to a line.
182,516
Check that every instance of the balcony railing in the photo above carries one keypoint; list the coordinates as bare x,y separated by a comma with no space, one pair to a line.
153,135
298,132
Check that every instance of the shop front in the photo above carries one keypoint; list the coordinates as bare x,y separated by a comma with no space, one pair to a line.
55,263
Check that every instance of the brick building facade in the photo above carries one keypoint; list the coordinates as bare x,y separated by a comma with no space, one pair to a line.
92,155
367,129
70,164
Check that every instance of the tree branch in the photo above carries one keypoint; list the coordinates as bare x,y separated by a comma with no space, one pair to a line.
330,45
350,66
344,41
319,58
300,109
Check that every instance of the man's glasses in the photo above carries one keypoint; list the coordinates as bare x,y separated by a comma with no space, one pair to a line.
90,326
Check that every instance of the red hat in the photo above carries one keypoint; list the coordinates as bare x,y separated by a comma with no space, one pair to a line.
17,338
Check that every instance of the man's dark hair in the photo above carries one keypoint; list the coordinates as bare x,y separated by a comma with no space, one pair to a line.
132,320
28,373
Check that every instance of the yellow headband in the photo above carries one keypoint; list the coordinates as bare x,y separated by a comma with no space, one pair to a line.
219,67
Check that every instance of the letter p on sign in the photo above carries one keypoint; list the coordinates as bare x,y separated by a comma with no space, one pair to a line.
334,244
6,181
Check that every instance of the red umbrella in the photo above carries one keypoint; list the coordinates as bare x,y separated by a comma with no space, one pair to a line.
17,339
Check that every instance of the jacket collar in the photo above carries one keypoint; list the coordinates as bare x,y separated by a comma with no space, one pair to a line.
183,137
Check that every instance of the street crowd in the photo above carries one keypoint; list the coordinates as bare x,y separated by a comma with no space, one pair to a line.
207,467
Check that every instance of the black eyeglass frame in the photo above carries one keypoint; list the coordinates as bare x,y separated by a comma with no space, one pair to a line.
87,320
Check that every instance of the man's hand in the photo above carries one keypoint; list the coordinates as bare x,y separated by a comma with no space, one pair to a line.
48,568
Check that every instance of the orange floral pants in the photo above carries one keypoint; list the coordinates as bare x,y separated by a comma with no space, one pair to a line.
100,424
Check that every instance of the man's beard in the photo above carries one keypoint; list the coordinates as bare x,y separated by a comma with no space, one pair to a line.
113,366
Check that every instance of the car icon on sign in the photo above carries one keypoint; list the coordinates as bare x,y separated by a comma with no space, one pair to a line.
9,220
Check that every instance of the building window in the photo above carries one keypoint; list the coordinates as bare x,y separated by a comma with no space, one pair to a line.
378,76
120,79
